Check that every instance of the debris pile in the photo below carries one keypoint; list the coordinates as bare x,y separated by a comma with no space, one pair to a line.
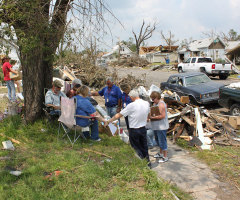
200,127
134,61
94,76
163,66
132,81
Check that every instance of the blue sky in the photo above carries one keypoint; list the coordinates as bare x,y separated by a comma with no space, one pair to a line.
185,18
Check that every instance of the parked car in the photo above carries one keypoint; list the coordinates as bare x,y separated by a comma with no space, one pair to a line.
207,66
229,97
198,86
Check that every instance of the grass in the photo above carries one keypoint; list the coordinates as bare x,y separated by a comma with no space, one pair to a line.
85,175
224,160
234,75
3,90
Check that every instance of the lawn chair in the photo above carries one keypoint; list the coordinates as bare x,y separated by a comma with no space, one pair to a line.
67,120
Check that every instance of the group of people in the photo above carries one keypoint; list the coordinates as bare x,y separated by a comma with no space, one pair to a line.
7,68
118,104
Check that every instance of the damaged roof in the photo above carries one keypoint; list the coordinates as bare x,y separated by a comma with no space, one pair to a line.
230,45
196,45
161,48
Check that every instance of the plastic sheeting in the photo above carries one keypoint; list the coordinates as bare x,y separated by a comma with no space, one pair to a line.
234,85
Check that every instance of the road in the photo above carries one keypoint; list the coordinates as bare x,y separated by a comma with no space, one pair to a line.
158,76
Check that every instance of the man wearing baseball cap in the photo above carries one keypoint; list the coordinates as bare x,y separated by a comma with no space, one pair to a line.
52,97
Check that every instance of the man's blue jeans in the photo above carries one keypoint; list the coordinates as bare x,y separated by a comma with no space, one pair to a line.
151,138
11,90
111,111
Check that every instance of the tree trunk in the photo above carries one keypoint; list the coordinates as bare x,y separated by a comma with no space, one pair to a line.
37,75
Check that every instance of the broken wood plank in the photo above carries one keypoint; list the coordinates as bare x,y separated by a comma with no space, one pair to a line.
174,128
189,121
188,138
210,127
179,132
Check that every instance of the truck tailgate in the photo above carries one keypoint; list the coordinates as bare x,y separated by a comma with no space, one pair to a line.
223,67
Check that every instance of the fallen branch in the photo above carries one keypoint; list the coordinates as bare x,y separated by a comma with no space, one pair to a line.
12,139
96,152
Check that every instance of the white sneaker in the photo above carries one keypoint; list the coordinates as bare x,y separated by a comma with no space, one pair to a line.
158,155
163,160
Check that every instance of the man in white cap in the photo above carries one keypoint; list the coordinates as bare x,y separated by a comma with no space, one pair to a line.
52,97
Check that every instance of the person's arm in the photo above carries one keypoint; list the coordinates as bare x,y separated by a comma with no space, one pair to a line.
119,105
54,107
162,112
149,116
13,71
115,117
10,68
119,100
98,116
95,93
48,101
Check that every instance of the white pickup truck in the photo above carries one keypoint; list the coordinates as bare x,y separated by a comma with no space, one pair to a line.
205,65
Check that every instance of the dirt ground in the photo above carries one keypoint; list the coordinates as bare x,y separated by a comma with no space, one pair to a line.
158,76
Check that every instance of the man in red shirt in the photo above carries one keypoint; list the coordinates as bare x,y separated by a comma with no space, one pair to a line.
6,67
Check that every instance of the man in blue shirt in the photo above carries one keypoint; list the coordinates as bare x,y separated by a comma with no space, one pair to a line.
112,95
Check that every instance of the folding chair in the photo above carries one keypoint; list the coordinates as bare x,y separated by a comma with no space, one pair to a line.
67,120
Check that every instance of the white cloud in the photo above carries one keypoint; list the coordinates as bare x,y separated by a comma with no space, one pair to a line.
235,5
185,18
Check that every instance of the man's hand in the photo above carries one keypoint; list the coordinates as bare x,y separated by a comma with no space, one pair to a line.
106,123
57,107
118,109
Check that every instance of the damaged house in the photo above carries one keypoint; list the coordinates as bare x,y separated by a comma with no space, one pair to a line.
118,51
159,54
209,47
233,52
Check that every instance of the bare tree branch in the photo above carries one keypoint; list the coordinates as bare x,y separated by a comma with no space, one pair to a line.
144,34
168,39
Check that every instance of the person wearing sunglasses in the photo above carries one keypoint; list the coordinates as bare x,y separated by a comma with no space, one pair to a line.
160,125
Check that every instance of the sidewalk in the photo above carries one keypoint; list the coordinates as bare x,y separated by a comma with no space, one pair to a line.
191,175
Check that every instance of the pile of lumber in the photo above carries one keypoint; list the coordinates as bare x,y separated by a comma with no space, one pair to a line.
200,127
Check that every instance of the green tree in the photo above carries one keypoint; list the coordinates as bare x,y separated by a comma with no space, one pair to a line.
130,43
39,26
232,35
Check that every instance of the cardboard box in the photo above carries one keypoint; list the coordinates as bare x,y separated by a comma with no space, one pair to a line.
234,121
184,99
16,77
107,130
154,111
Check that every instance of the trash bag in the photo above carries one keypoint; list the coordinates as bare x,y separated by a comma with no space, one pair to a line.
154,88
142,92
